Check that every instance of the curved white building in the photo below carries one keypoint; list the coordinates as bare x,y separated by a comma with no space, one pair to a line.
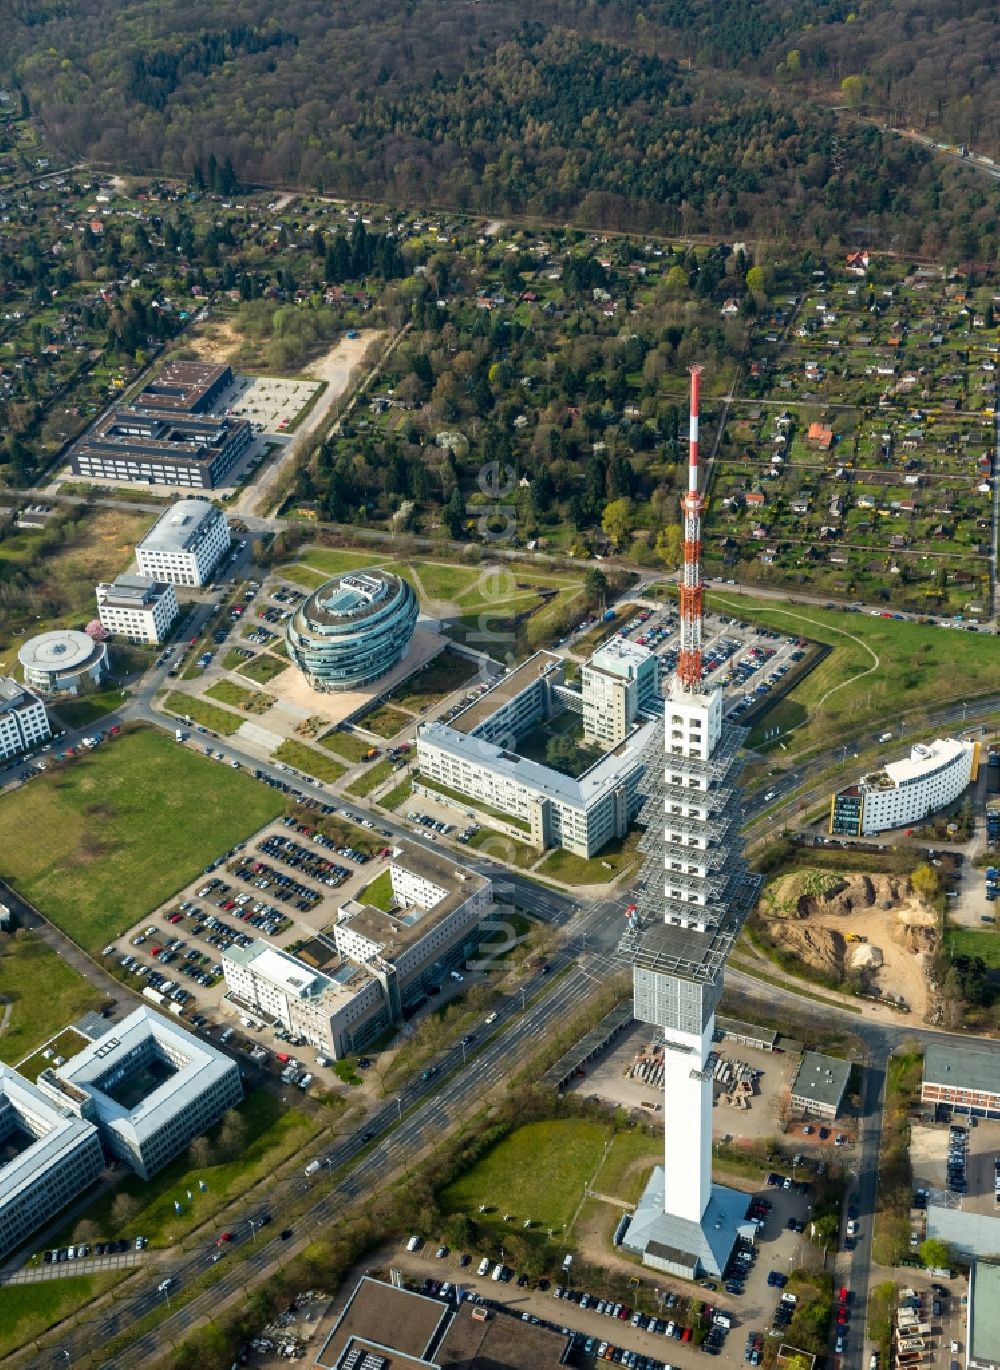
63,661
906,792
353,629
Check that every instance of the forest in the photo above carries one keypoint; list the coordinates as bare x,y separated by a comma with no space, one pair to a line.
720,118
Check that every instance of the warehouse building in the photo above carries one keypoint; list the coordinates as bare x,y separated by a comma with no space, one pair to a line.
23,720
48,1158
820,1085
63,661
186,388
149,1086
966,1080
983,1329
906,792
387,1327
185,544
137,608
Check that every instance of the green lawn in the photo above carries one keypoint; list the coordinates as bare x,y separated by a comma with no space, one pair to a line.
502,848
973,942
239,697
394,797
348,745
262,668
539,1172
273,1132
66,1043
332,560
379,893
385,721
628,1164
616,858
200,711
448,671
28,1310
309,760
885,667
80,713
99,842
233,660
463,799
44,992
371,777
443,581
303,577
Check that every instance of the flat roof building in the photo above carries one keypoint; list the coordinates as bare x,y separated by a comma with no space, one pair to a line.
137,608
48,1157
63,661
185,387
820,1085
907,791
23,720
618,681
150,1087
196,451
185,544
386,1328
983,1329
965,1079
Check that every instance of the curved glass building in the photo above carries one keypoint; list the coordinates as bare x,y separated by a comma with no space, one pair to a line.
352,629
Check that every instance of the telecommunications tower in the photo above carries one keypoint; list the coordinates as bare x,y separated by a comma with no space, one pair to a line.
695,894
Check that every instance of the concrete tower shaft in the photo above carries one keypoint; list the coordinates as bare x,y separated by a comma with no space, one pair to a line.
692,508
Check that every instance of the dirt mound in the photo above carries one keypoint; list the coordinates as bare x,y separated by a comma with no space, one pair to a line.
810,942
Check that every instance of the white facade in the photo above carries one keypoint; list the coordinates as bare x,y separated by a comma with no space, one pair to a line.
185,544
336,1013
56,1157
687,1123
23,720
191,1085
63,661
906,792
619,680
137,608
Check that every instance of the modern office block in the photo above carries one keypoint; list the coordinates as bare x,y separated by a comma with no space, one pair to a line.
352,630
23,720
185,544
137,608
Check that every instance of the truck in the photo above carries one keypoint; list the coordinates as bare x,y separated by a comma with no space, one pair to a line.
312,1168
178,735
148,992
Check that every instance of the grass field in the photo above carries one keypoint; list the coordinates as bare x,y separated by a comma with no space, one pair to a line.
371,778
309,760
80,713
538,1172
379,893
239,697
303,577
272,1133
45,994
502,848
878,668
200,711
396,796
262,668
332,560
616,858
448,671
27,1310
967,942
101,841
384,721
348,745
627,1165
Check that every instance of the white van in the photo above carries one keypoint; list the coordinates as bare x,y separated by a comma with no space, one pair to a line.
484,1266
413,1244
498,1271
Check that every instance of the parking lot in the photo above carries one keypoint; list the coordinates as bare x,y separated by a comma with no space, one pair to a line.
958,1168
748,662
270,405
641,1343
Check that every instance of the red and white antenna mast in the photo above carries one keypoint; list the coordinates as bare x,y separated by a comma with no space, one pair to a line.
692,507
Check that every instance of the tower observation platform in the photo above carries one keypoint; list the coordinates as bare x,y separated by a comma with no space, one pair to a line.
695,893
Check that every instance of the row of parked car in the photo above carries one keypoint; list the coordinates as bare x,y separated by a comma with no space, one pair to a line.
264,877
305,860
81,1252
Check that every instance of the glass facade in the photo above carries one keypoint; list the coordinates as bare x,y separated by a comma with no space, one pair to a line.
353,629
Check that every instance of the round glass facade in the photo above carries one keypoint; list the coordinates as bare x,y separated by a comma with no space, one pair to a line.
352,629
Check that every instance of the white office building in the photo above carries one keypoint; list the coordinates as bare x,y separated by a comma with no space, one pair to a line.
23,720
388,958
149,1085
906,792
185,544
48,1158
618,681
338,1010
137,608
